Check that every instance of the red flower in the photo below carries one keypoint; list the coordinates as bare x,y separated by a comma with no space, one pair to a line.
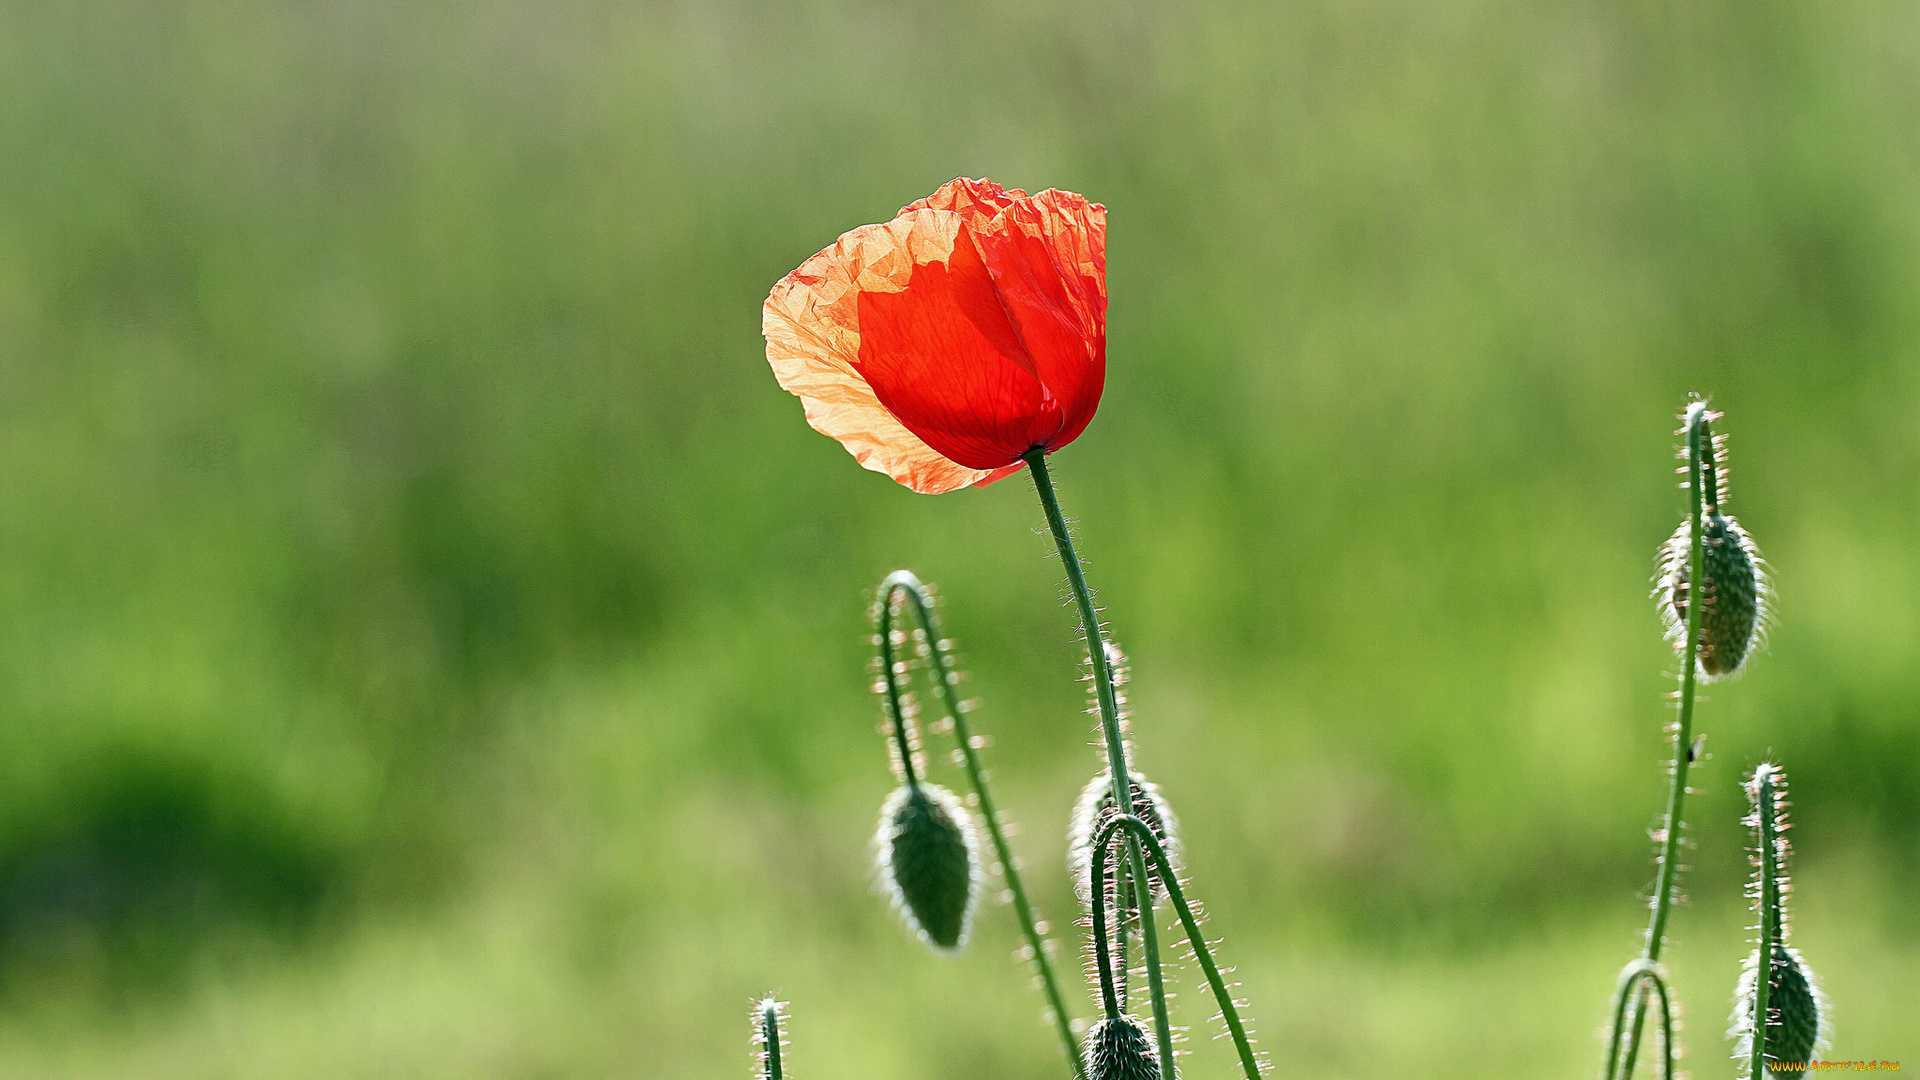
941,346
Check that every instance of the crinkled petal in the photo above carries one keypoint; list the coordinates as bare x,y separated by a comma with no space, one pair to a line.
941,355
811,323
941,346
976,201
1047,254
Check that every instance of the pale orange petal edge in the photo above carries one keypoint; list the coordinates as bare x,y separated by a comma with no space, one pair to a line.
813,337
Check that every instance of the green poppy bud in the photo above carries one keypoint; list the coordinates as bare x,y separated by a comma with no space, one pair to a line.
929,862
1093,811
1117,1048
1796,1010
1734,596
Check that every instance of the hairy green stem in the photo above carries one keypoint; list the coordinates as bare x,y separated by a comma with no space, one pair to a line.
946,686
1109,704
770,1038
1702,491
1634,979
1769,899
896,708
1097,881
1143,837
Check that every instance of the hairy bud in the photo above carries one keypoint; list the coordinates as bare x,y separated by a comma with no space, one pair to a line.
1095,810
929,862
1796,1010
1117,1048
1733,597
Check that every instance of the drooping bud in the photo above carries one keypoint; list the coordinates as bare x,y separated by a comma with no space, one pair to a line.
1796,1012
1734,591
1117,1048
1094,810
1734,595
769,1036
929,862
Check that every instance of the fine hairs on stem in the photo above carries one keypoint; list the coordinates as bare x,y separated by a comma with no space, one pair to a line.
903,585
769,1036
1635,979
1142,838
1699,443
1106,696
1143,835
1780,1017
1713,596
1767,848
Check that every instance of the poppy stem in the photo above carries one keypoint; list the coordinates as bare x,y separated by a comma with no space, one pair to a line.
1102,956
896,708
1109,706
946,686
1701,490
1635,979
1142,834
1765,809
768,1036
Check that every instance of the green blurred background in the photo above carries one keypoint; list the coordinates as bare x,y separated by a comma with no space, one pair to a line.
434,646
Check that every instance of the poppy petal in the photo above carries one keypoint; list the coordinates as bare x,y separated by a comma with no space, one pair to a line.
813,339
976,201
942,346
1000,473
1047,254
940,353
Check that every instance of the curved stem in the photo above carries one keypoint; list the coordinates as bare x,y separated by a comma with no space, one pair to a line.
1143,838
1113,984
1700,467
1098,882
1109,705
946,688
1632,978
896,709
1769,900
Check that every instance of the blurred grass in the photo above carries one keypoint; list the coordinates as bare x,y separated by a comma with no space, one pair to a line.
433,644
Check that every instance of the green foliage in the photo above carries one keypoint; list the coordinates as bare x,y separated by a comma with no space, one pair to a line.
387,448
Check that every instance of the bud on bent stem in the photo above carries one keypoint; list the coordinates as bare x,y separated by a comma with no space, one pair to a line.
1091,812
1733,587
903,584
1786,1004
930,862
1145,839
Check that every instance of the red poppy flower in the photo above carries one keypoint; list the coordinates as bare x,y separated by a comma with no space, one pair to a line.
941,346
